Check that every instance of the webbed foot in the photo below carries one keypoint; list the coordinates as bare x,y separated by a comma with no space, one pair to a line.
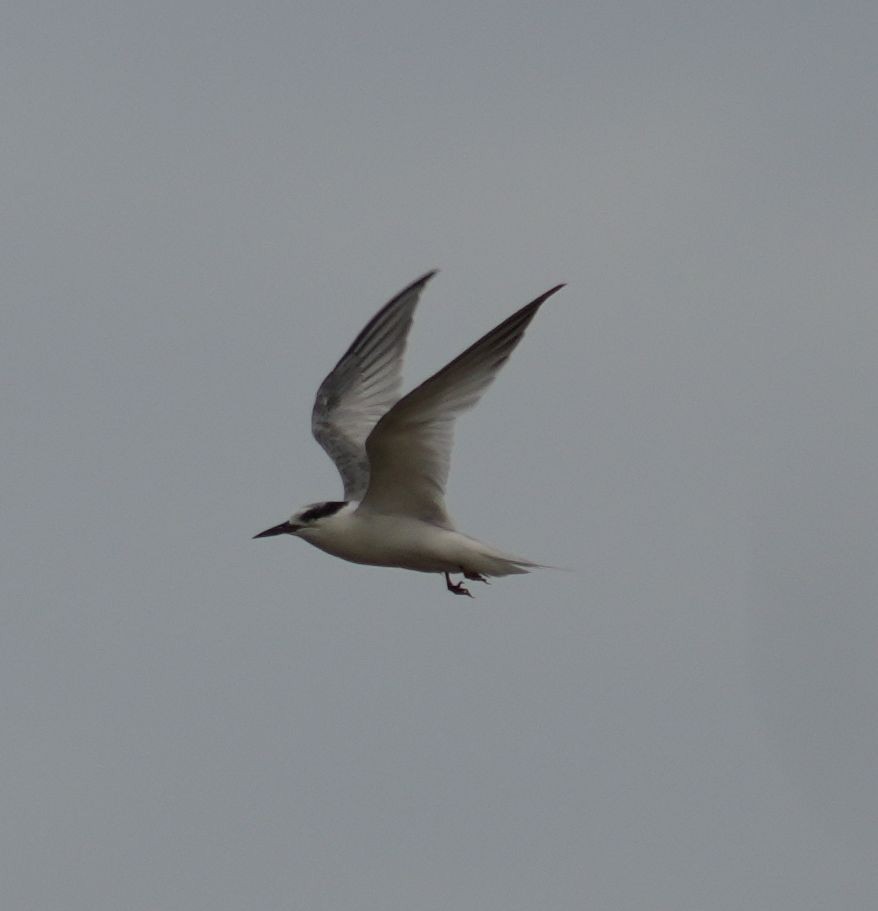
456,588
477,577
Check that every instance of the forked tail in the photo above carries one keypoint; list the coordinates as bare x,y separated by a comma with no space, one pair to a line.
489,561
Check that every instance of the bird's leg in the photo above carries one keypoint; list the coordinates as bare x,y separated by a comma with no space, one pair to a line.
456,588
477,577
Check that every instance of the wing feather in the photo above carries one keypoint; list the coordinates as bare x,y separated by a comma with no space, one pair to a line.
409,449
362,386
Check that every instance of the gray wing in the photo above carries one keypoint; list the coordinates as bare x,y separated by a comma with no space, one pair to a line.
361,388
410,448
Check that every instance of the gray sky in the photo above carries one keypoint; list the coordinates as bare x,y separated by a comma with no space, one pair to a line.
203,203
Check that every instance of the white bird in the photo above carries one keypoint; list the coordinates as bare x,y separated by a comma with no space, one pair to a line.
393,453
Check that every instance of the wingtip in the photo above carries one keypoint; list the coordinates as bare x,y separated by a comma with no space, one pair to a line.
416,285
546,295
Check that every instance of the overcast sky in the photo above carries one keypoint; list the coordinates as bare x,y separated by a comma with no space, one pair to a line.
202,205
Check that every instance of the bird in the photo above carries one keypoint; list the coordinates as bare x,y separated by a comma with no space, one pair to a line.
393,453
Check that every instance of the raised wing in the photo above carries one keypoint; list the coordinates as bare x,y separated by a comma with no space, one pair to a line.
410,448
361,388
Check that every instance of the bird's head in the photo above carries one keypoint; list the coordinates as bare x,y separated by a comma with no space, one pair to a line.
309,517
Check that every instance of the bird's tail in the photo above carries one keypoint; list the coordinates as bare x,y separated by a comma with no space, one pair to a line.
489,561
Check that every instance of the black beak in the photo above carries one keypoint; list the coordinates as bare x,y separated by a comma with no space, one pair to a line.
285,528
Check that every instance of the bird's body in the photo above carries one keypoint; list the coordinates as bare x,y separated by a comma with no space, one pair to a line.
371,538
393,453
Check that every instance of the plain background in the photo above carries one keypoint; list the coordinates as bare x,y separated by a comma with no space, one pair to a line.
202,205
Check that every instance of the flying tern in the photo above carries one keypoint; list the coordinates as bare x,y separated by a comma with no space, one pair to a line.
393,453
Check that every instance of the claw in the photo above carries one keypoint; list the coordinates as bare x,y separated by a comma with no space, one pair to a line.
456,588
477,577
